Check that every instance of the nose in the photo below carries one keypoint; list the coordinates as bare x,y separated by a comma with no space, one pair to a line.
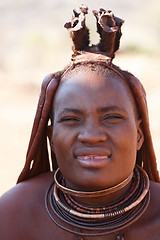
92,135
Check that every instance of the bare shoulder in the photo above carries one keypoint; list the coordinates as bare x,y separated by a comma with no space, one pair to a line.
155,187
149,224
154,203
26,190
21,207
155,193
153,210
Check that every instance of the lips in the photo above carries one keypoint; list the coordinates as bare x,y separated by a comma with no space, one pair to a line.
93,160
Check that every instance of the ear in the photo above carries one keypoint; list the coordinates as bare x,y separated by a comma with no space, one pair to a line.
140,135
49,135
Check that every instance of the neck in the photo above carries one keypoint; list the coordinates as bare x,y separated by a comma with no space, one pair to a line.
101,200
94,198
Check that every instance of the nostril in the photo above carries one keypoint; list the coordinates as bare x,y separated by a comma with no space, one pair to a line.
92,137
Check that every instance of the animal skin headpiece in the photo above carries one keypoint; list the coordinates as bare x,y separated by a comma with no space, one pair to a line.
109,29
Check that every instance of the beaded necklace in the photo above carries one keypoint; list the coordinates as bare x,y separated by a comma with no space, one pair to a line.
110,207
114,218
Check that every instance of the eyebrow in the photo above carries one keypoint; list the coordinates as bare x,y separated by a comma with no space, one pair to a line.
101,109
110,108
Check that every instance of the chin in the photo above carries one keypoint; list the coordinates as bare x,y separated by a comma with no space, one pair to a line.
92,184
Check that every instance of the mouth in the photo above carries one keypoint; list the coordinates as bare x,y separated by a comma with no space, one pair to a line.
93,160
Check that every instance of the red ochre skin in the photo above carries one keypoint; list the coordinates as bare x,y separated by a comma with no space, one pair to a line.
112,132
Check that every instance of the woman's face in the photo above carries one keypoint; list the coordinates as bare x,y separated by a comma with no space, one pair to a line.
96,133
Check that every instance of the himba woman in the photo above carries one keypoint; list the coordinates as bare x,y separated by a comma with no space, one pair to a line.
104,183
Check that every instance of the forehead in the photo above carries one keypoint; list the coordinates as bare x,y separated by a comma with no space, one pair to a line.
88,87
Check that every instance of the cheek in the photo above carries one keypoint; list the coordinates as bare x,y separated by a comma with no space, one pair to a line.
124,144
126,139
62,143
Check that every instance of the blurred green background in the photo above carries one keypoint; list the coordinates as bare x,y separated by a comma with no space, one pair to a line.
34,43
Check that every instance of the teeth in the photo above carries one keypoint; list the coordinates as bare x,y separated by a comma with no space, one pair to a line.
91,157
101,157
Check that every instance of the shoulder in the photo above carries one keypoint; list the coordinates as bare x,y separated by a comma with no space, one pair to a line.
155,193
154,186
154,205
148,225
150,221
25,190
19,207
153,210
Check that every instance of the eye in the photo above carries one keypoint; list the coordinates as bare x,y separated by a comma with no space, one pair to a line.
113,118
69,120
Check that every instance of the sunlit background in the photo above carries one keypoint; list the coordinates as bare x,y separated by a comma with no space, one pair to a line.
34,43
